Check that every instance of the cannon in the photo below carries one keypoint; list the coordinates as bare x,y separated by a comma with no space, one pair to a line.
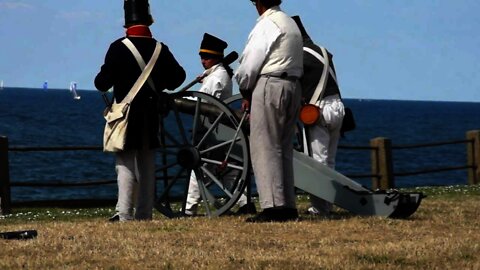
202,134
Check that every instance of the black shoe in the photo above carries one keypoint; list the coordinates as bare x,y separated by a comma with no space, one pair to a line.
263,216
274,215
247,209
287,214
114,218
183,215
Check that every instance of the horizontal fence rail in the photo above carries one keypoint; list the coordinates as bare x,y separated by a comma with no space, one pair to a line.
410,146
382,173
54,148
382,162
62,184
355,148
433,170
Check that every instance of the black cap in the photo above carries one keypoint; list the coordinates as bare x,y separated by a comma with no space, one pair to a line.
300,26
212,46
137,12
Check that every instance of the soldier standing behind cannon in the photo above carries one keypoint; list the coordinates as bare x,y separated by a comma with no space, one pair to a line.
217,81
321,137
268,78
135,165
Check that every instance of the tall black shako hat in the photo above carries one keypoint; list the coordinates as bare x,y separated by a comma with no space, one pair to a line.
212,47
300,26
137,12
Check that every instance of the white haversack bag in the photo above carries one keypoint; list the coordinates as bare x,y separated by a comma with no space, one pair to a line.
115,133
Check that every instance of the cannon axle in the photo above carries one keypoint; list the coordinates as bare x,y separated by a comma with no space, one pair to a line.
189,158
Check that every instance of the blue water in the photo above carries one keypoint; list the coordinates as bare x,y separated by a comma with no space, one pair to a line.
407,123
35,117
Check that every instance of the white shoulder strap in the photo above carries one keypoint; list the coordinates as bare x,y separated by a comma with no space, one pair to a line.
321,59
144,76
318,94
138,57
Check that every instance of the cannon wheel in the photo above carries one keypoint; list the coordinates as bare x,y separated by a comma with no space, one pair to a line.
201,134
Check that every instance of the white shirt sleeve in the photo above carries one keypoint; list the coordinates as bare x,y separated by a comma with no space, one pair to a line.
259,43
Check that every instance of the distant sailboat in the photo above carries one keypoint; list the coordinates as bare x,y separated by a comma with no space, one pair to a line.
1,85
45,85
73,90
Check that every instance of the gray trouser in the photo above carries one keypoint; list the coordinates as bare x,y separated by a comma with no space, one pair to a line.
136,184
274,110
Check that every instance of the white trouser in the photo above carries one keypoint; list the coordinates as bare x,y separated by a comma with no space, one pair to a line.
274,111
194,197
136,184
323,138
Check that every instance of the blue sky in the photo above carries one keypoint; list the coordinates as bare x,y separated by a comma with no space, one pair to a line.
396,49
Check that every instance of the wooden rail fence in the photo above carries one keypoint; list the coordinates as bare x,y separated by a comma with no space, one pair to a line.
381,148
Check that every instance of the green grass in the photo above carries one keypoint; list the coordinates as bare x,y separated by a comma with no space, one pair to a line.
22,215
449,191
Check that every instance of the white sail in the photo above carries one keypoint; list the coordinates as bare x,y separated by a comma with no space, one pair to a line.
1,85
73,90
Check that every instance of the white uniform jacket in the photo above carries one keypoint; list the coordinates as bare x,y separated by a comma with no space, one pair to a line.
218,83
263,55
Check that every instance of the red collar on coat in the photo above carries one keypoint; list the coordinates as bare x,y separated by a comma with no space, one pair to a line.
139,31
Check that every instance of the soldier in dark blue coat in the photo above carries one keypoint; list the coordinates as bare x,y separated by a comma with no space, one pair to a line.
135,165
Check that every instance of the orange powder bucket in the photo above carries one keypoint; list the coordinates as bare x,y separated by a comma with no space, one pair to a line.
309,114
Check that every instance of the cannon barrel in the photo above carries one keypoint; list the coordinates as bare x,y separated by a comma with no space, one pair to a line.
188,106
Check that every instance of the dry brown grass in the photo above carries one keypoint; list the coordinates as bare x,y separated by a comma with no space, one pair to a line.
442,234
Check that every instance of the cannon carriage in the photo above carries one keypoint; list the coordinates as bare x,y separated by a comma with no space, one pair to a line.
206,136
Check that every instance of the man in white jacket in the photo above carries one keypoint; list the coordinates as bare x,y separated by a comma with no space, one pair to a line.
268,78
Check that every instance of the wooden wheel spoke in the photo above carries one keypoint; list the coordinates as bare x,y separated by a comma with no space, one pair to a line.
170,185
180,124
196,118
217,146
171,137
210,129
217,181
220,163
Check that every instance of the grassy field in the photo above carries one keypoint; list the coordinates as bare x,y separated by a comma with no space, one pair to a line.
442,234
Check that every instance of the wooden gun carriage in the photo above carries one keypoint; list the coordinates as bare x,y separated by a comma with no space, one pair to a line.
202,134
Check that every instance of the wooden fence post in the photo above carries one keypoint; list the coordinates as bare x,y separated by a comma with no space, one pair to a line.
473,157
382,165
5,201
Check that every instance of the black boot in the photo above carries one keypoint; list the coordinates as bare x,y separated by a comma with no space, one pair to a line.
247,209
114,218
